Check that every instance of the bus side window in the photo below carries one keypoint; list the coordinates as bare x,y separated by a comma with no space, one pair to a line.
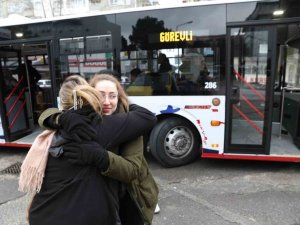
158,84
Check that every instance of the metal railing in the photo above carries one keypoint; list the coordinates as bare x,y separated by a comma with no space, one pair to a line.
14,105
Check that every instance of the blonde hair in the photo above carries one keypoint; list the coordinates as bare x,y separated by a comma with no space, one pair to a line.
76,79
76,87
122,96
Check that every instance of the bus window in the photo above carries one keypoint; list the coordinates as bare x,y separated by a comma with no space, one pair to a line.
292,71
182,72
86,55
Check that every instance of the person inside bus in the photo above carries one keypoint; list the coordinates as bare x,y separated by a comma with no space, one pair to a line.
166,73
34,76
164,63
203,72
9,82
127,162
134,74
71,193
194,71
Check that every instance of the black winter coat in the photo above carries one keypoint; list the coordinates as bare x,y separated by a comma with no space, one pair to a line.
79,195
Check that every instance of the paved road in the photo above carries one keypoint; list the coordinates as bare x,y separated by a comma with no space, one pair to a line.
208,192
213,192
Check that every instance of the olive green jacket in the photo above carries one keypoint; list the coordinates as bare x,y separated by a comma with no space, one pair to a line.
130,168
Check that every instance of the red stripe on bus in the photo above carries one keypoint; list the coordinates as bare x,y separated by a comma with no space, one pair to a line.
9,144
252,157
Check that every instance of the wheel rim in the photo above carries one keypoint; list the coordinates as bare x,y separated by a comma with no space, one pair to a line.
179,142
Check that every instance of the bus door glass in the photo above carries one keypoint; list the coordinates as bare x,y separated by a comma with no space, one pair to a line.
39,79
12,96
249,90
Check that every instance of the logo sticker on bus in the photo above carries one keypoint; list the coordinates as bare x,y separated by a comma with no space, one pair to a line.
197,106
202,132
170,109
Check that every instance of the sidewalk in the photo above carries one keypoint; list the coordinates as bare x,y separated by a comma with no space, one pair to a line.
13,203
13,212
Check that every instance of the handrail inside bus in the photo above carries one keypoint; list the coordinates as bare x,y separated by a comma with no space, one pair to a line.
15,102
13,90
260,114
248,120
250,86
17,115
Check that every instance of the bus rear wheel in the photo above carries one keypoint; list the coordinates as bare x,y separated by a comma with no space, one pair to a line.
174,142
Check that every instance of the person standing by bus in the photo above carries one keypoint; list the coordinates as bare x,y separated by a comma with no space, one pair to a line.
71,193
132,169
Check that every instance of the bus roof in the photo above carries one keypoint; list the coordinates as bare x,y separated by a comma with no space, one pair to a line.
21,20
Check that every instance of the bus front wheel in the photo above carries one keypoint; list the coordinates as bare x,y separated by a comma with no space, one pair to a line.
174,142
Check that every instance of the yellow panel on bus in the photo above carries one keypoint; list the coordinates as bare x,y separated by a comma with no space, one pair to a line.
139,90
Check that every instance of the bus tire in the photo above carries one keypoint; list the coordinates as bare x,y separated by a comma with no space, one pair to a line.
174,142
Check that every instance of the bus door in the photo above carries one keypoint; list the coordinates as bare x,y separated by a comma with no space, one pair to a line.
38,70
13,108
26,78
249,93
